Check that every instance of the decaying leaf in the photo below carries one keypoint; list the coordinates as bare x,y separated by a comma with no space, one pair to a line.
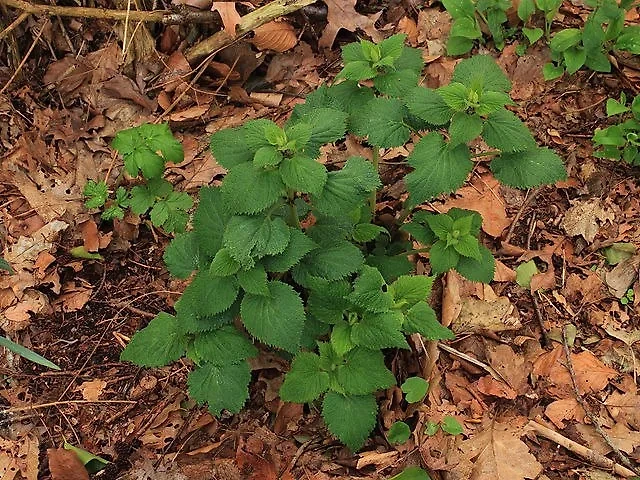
65,465
584,218
564,409
494,453
495,315
276,36
620,436
19,457
342,14
623,276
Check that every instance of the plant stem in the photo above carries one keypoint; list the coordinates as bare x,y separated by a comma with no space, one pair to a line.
486,154
376,163
416,250
294,221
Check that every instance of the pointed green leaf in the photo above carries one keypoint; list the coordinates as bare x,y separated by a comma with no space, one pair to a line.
504,130
350,418
227,150
364,372
305,381
477,270
249,189
303,174
370,291
411,289
415,389
379,330
158,344
222,387
482,73
182,255
219,292
224,346
528,169
254,280
422,319
382,121
428,104
299,245
210,220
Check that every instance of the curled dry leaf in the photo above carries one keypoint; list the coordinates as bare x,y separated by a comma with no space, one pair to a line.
564,409
92,390
584,218
276,36
342,14
409,27
65,465
229,15
494,453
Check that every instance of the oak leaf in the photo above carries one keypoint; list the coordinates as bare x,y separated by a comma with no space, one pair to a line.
342,14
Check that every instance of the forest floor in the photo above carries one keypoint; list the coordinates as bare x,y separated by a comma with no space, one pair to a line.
66,88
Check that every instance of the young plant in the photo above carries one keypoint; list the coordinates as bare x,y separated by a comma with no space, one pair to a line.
466,27
145,149
529,8
622,140
289,254
603,32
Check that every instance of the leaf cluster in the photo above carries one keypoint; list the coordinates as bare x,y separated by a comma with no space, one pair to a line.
621,140
604,31
145,149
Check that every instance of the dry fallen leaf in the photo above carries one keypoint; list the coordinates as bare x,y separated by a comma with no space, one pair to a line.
625,407
92,390
513,368
483,196
276,36
342,14
65,465
620,436
495,452
496,315
564,409
19,456
583,218
620,279
229,15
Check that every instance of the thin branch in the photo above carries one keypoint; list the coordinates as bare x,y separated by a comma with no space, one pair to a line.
153,16
594,420
57,404
250,21
21,18
591,456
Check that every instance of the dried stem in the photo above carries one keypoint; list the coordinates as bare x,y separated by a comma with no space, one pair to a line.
152,16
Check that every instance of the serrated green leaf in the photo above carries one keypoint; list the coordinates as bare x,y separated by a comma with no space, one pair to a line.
139,146
299,245
158,344
464,128
411,289
327,301
366,232
379,330
112,211
415,389
428,104
348,188
332,262
468,246
182,255
505,131
481,72
96,193
189,322
219,292
223,264
363,371
260,133
227,150
249,238
382,122
370,291
357,70
303,174
396,83
249,189
210,220
306,380
142,199
221,387
224,346
399,433
477,270
455,95
410,59
254,280
422,319
528,169
341,338
276,319
442,258
350,418
327,126
268,156
158,137
393,46
298,136
492,101
352,52
441,225
438,168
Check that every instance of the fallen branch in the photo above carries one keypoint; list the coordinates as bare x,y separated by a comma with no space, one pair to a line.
250,21
591,456
152,16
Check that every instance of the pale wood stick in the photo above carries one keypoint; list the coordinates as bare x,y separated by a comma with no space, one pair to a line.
152,16
589,455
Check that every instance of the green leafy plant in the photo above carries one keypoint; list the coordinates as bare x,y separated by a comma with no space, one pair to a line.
529,9
415,388
448,425
628,297
399,433
145,149
468,17
622,140
290,254
4,265
604,32
27,353
411,473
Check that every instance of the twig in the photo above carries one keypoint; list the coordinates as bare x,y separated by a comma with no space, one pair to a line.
530,196
249,22
488,368
536,306
56,404
21,18
26,57
594,420
592,457
152,16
